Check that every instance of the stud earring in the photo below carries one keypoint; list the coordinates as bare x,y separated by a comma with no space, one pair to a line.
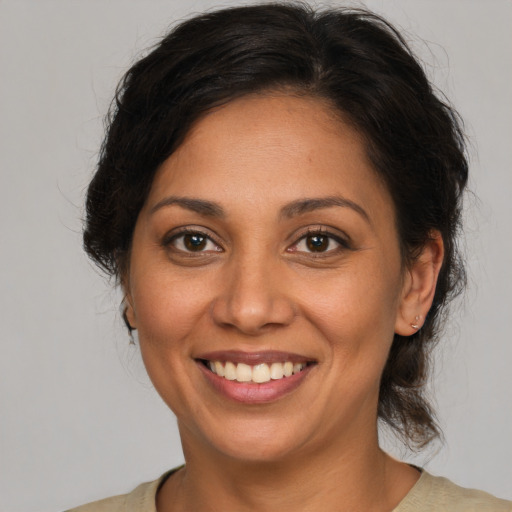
416,325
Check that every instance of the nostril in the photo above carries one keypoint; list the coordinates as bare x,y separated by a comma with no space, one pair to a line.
252,313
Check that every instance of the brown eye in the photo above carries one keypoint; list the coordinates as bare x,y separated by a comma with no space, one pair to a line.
317,243
195,242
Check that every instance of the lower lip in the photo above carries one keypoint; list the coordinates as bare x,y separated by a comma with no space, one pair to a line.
251,392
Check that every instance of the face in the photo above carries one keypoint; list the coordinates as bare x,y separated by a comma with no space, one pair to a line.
265,281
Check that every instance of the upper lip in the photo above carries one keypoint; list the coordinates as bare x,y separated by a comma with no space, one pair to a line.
254,358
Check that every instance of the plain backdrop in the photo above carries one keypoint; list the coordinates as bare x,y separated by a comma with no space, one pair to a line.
79,419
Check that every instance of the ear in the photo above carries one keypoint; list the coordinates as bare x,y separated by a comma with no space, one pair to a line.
129,316
419,286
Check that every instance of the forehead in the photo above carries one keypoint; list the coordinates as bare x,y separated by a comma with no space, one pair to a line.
270,149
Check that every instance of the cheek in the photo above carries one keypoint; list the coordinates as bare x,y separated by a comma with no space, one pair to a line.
168,311
168,308
356,310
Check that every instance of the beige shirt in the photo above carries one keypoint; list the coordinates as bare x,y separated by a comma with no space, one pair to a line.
429,494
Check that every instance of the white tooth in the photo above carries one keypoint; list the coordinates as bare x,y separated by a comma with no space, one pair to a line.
276,371
219,369
243,372
261,373
297,367
287,369
211,366
230,371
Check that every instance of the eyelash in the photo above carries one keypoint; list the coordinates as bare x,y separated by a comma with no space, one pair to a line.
343,244
170,240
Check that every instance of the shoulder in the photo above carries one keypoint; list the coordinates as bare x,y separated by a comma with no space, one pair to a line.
433,493
141,499
112,504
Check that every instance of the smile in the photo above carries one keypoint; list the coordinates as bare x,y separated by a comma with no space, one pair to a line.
255,377
258,374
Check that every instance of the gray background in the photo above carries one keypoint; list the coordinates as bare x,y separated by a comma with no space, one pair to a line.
79,419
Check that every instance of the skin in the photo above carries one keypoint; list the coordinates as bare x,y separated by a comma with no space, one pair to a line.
256,286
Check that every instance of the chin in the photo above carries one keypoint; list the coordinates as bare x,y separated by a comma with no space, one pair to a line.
254,441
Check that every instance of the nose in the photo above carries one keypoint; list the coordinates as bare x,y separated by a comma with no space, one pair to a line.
253,298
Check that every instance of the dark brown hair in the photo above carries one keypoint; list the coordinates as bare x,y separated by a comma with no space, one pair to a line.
363,67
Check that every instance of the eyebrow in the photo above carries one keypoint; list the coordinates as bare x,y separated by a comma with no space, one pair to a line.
293,209
201,206
307,205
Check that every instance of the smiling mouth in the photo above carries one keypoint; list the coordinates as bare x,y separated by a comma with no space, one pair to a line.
258,373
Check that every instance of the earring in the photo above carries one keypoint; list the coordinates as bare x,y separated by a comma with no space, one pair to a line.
416,325
132,339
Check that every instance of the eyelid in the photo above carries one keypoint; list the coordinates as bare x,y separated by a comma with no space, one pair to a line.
180,231
335,234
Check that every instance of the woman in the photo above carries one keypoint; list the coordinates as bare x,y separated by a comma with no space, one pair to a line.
279,195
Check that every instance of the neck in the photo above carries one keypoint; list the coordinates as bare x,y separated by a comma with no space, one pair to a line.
353,475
